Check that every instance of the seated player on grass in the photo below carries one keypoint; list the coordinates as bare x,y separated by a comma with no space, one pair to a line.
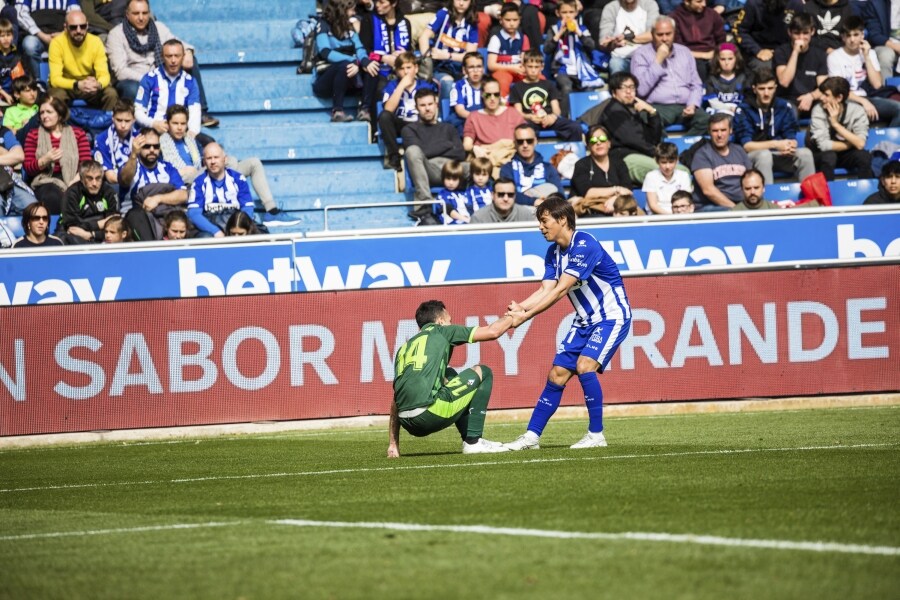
430,396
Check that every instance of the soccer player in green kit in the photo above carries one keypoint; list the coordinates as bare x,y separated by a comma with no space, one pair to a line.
430,396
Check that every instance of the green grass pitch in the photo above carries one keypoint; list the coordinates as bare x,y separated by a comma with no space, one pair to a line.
795,504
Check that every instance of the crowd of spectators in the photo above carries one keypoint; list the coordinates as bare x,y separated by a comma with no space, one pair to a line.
782,88
135,164
777,88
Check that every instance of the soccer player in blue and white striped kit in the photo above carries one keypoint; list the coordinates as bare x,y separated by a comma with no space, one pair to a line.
578,267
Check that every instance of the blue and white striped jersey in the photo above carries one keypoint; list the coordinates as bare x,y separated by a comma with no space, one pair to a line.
599,294
216,195
111,151
463,93
157,92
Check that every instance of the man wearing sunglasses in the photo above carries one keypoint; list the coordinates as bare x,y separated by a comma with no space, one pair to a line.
534,177
148,181
489,132
39,22
78,67
503,207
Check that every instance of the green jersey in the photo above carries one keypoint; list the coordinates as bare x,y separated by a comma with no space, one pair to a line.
421,362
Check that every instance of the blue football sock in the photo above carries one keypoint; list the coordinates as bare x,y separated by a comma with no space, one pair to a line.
593,398
546,406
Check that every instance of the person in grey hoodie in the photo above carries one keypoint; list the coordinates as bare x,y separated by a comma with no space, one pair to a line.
838,130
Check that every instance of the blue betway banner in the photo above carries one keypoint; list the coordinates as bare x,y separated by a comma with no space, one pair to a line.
416,259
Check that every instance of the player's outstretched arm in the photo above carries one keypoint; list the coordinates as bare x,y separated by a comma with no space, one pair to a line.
492,331
549,298
547,286
393,450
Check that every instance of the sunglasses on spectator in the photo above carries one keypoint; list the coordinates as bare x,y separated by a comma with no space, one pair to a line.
77,27
490,95
523,141
150,146
505,194
597,139
41,218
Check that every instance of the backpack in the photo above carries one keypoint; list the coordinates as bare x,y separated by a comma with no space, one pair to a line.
304,36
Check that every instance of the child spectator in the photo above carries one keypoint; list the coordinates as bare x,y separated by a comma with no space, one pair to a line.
857,62
838,130
25,91
113,146
10,66
240,224
727,80
827,15
800,66
400,106
116,230
176,225
465,96
626,206
385,33
454,33
538,101
479,193
570,45
662,183
505,50
682,203
453,211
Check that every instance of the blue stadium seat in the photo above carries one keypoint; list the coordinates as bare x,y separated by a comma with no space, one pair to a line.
641,197
782,191
893,82
581,102
684,142
851,192
886,134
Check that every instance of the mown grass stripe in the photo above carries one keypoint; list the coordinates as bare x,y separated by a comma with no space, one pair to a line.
560,459
59,534
674,538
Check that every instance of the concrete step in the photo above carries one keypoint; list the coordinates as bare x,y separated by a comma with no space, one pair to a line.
295,152
318,179
207,32
230,11
320,201
305,137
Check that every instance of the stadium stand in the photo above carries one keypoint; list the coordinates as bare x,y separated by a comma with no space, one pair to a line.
268,111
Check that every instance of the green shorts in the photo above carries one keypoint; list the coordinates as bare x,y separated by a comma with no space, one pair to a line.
451,402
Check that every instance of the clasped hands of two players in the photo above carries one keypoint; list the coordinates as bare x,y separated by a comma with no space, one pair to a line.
516,313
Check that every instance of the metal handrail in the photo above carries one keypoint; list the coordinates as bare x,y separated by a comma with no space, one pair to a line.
381,204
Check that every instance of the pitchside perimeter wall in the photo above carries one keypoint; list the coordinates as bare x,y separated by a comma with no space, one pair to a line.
153,363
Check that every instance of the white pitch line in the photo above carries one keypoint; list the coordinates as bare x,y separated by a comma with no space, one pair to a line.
441,466
59,534
675,538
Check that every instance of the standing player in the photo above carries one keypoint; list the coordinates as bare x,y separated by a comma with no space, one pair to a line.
430,396
577,266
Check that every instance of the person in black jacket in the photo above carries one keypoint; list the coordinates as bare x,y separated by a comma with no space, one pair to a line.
428,144
87,206
633,125
762,26
889,185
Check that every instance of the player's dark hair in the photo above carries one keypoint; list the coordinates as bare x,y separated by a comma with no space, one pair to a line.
558,208
428,312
